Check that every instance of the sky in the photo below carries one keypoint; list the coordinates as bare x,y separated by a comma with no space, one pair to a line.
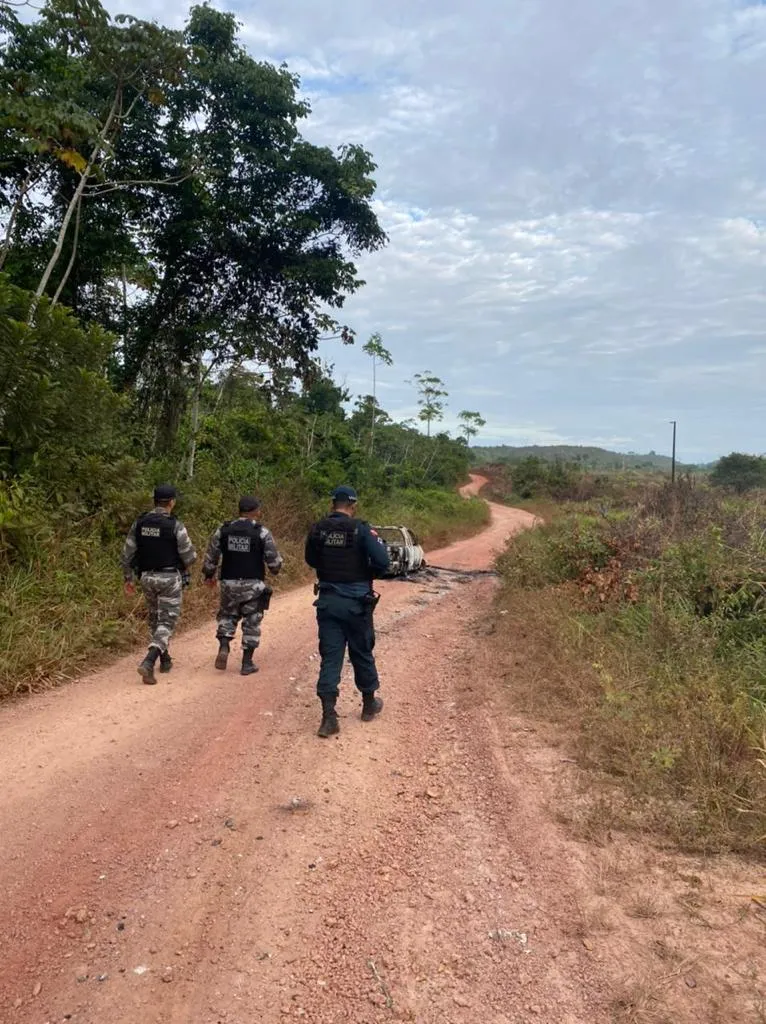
575,198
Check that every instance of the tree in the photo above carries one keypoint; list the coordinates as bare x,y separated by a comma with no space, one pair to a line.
374,348
366,410
73,82
246,258
470,424
250,255
431,391
740,472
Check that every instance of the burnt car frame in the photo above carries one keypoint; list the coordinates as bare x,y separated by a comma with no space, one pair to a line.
405,553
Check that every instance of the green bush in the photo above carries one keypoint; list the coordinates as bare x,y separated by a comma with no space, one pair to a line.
554,553
740,472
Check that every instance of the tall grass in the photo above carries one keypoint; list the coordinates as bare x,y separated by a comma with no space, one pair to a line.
649,623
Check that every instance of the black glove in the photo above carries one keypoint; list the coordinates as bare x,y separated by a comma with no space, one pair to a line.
185,579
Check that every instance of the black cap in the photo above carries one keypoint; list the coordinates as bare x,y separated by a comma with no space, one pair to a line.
164,492
344,494
248,503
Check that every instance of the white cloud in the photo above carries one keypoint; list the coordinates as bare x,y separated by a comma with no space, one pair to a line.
576,201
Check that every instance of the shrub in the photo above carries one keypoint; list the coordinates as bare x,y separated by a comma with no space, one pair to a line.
740,472
651,624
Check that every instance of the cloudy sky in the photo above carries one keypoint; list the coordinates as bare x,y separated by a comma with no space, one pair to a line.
575,195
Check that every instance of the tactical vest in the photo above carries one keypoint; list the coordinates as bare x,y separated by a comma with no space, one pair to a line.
340,558
242,551
156,545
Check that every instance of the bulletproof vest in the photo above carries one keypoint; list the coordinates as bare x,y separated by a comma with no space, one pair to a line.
242,551
340,558
156,546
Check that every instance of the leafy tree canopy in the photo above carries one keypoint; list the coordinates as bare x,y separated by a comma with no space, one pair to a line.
157,183
740,472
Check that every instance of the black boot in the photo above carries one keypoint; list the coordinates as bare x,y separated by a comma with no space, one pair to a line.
329,726
146,668
166,662
371,706
223,653
247,662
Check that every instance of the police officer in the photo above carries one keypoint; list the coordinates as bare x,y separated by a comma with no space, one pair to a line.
159,551
245,548
346,554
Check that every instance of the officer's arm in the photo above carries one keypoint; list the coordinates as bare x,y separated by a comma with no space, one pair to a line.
375,549
212,555
271,555
128,554
186,551
310,553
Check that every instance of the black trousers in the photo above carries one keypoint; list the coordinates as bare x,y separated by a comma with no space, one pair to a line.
345,622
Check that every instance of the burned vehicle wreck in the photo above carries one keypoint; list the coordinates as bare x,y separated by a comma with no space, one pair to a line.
405,552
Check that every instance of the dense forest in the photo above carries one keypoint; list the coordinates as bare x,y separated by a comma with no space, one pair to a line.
174,253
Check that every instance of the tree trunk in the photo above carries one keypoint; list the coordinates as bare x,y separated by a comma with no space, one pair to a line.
427,469
225,378
124,309
74,202
23,189
68,271
310,440
196,396
374,401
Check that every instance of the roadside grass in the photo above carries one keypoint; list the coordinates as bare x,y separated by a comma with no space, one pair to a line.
437,517
642,630
63,612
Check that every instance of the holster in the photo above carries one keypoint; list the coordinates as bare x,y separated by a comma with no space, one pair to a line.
266,598
371,601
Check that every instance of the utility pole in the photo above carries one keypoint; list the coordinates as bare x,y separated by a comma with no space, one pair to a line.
673,460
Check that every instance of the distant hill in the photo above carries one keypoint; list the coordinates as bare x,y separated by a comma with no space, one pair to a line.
587,457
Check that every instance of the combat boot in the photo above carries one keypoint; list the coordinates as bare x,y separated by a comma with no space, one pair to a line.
166,662
247,662
223,653
329,725
371,706
146,668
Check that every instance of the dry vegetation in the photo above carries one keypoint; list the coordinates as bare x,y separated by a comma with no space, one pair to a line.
639,623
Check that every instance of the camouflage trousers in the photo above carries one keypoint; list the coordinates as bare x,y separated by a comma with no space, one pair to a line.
162,592
241,599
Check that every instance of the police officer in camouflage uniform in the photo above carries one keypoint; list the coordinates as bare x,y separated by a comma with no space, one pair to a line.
245,548
347,554
159,551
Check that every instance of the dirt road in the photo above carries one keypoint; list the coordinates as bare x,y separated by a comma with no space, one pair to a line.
192,853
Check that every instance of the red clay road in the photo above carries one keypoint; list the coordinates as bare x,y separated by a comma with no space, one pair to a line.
192,853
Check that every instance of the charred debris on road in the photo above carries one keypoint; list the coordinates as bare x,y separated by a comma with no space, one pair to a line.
408,561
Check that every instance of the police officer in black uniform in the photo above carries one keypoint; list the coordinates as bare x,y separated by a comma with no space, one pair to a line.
347,554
